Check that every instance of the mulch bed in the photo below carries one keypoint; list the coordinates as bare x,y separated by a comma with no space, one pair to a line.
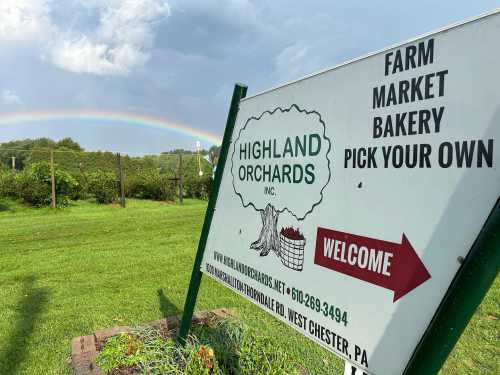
86,348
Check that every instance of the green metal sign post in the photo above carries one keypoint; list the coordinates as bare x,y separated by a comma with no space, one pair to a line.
194,285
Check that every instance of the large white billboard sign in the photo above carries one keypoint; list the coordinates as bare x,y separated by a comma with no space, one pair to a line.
349,197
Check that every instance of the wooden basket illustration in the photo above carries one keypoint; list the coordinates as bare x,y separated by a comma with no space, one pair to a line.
292,244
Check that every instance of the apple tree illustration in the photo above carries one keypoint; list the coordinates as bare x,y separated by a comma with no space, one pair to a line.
280,162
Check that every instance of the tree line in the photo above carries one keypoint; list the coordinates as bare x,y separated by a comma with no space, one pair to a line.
25,172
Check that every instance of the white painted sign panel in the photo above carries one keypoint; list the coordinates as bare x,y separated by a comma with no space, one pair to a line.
348,196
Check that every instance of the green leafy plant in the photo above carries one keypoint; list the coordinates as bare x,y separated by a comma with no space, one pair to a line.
217,347
103,185
147,351
122,350
33,185
198,187
151,184
8,184
261,354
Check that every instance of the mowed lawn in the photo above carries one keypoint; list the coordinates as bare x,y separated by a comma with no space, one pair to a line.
71,271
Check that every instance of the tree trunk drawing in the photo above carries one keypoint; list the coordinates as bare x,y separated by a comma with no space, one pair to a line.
268,238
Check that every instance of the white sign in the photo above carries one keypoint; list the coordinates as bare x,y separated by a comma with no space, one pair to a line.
348,196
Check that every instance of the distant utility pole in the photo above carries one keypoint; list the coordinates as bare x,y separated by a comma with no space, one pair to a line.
52,179
122,182
13,163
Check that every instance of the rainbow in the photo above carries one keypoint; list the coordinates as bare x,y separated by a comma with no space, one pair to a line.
90,115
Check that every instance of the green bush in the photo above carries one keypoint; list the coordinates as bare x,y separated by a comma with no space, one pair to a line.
151,184
34,185
198,187
103,186
31,190
132,185
8,184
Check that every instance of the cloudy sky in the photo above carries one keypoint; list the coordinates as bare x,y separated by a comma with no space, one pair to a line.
179,59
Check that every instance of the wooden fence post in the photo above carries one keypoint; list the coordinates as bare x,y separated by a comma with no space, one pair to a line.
52,179
13,163
181,179
122,182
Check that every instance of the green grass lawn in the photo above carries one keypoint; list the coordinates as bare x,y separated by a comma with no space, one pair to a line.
69,272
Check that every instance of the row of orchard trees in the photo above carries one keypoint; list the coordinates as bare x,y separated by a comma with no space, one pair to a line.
26,174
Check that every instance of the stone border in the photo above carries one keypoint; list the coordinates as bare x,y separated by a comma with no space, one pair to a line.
85,348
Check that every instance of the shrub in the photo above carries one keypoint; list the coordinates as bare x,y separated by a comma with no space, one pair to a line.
198,187
33,185
31,190
8,184
132,185
103,186
151,184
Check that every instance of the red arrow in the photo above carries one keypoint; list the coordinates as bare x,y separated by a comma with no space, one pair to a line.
390,265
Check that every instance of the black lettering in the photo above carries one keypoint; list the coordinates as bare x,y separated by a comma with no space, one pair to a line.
288,148
298,173
372,162
379,97
415,88
425,151
275,148
437,118
377,127
301,146
388,63
464,152
361,154
287,169
397,156
485,153
249,172
445,154
428,86
310,177
276,174
347,156
398,62
404,85
411,151
266,149
391,96
240,174
423,121
312,151
411,51
388,127
400,123
243,150
411,122
426,53
258,168
256,154
386,151
441,75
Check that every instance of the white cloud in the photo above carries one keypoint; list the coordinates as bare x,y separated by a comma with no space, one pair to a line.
24,19
121,41
9,97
